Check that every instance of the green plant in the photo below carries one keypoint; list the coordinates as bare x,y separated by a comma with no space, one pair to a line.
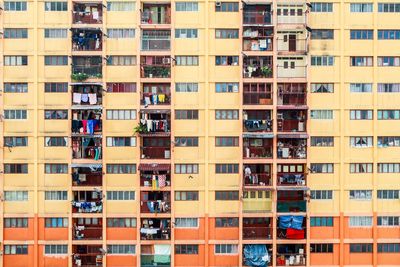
79,76
266,71
98,75
140,128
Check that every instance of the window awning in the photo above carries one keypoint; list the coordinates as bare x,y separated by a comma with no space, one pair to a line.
293,135
155,134
99,84
154,167
83,165
87,107
296,107
258,135
292,188
155,111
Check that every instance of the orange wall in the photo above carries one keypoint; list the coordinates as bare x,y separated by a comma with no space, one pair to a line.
326,258
118,233
356,258
222,260
323,232
20,233
221,233
388,232
52,233
356,232
191,260
389,259
191,233
19,260
50,260
121,260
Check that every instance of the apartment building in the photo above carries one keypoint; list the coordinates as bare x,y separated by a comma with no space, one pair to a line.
199,133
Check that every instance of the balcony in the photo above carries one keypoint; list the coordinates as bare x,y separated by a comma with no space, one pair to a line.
256,201
156,94
292,95
156,40
260,253
87,256
86,122
155,229
257,38
257,94
257,67
154,123
257,228
87,13
257,148
257,175
257,15
292,67
155,202
154,14
84,68
257,121
291,14
291,227
87,202
86,95
291,255
291,175
291,201
87,40
89,148
156,148
291,121
154,260
292,43
291,148
85,176
87,229
155,67
155,176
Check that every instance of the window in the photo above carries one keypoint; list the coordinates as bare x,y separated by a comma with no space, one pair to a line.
16,222
15,33
226,34
55,195
361,87
322,34
120,33
388,114
321,221
226,249
56,222
226,60
121,141
15,195
322,7
226,168
189,114
56,87
388,61
15,249
388,167
360,194
186,141
257,194
226,87
186,222
227,7
388,194
360,248
121,222
121,60
361,141
357,221
55,60
120,195
226,222
323,141
388,87
12,141
56,114
121,168
121,249
121,114
55,168
15,114
322,88
388,34
388,7
186,33
388,141
55,6
226,141
186,87
15,5
186,168
321,194
321,167
361,7
361,114
187,60
388,221
321,114
226,114
361,168
186,6
15,168
15,87
322,60
55,249
321,248
361,61
226,195
186,195
55,33
389,248
186,249
121,87
120,6
56,141
15,60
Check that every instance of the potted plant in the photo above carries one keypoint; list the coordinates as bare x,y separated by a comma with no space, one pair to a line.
266,71
140,128
79,76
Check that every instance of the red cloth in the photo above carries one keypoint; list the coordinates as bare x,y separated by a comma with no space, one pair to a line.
84,123
294,233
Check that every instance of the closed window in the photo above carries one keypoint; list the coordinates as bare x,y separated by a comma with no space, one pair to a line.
15,60
121,141
361,7
120,195
186,141
226,34
56,141
388,114
321,167
186,87
388,220
56,222
186,222
322,60
55,195
55,6
15,114
226,87
121,60
321,221
360,114
257,194
361,87
226,249
361,34
388,141
55,249
55,33
186,6
360,221
121,222
186,33
361,141
56,87
388,34
55,60
121,114
226,195
389,248
322,34
120,33
388,194
55,168
226,141
190,114
226,60
226,222
389,7
321,194
121,168
15,33
15,5
226,114
121,249
187,249
15,168
16,222
322,88
16,195
323,141
360,248
186,195
322,7
16,249
15,87
388,87
227,7
388,61
361,168
321,114
187,60
321,248
388,167
13,141
186,168
121,87
120,6
361,61
226,168
56,114
360,194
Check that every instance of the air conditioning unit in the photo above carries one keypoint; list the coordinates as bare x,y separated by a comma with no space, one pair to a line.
218,3
166,60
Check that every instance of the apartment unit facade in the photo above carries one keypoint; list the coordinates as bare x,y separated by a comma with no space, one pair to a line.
199,133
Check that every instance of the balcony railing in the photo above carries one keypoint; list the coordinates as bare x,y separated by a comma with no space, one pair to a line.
156,94
257,232
83,17
257,98
253,152
288,233
87,179
87,95
291,71
155,234
86,127
82,260
291,179
287,19
87,233
258,179
290,44
291,206
257,71
252,17
292,152
155,260
155,206
160,71
156,152
149,16
86,71
289,125
290,259
257,125
87,152
292,99
87,41
87,206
